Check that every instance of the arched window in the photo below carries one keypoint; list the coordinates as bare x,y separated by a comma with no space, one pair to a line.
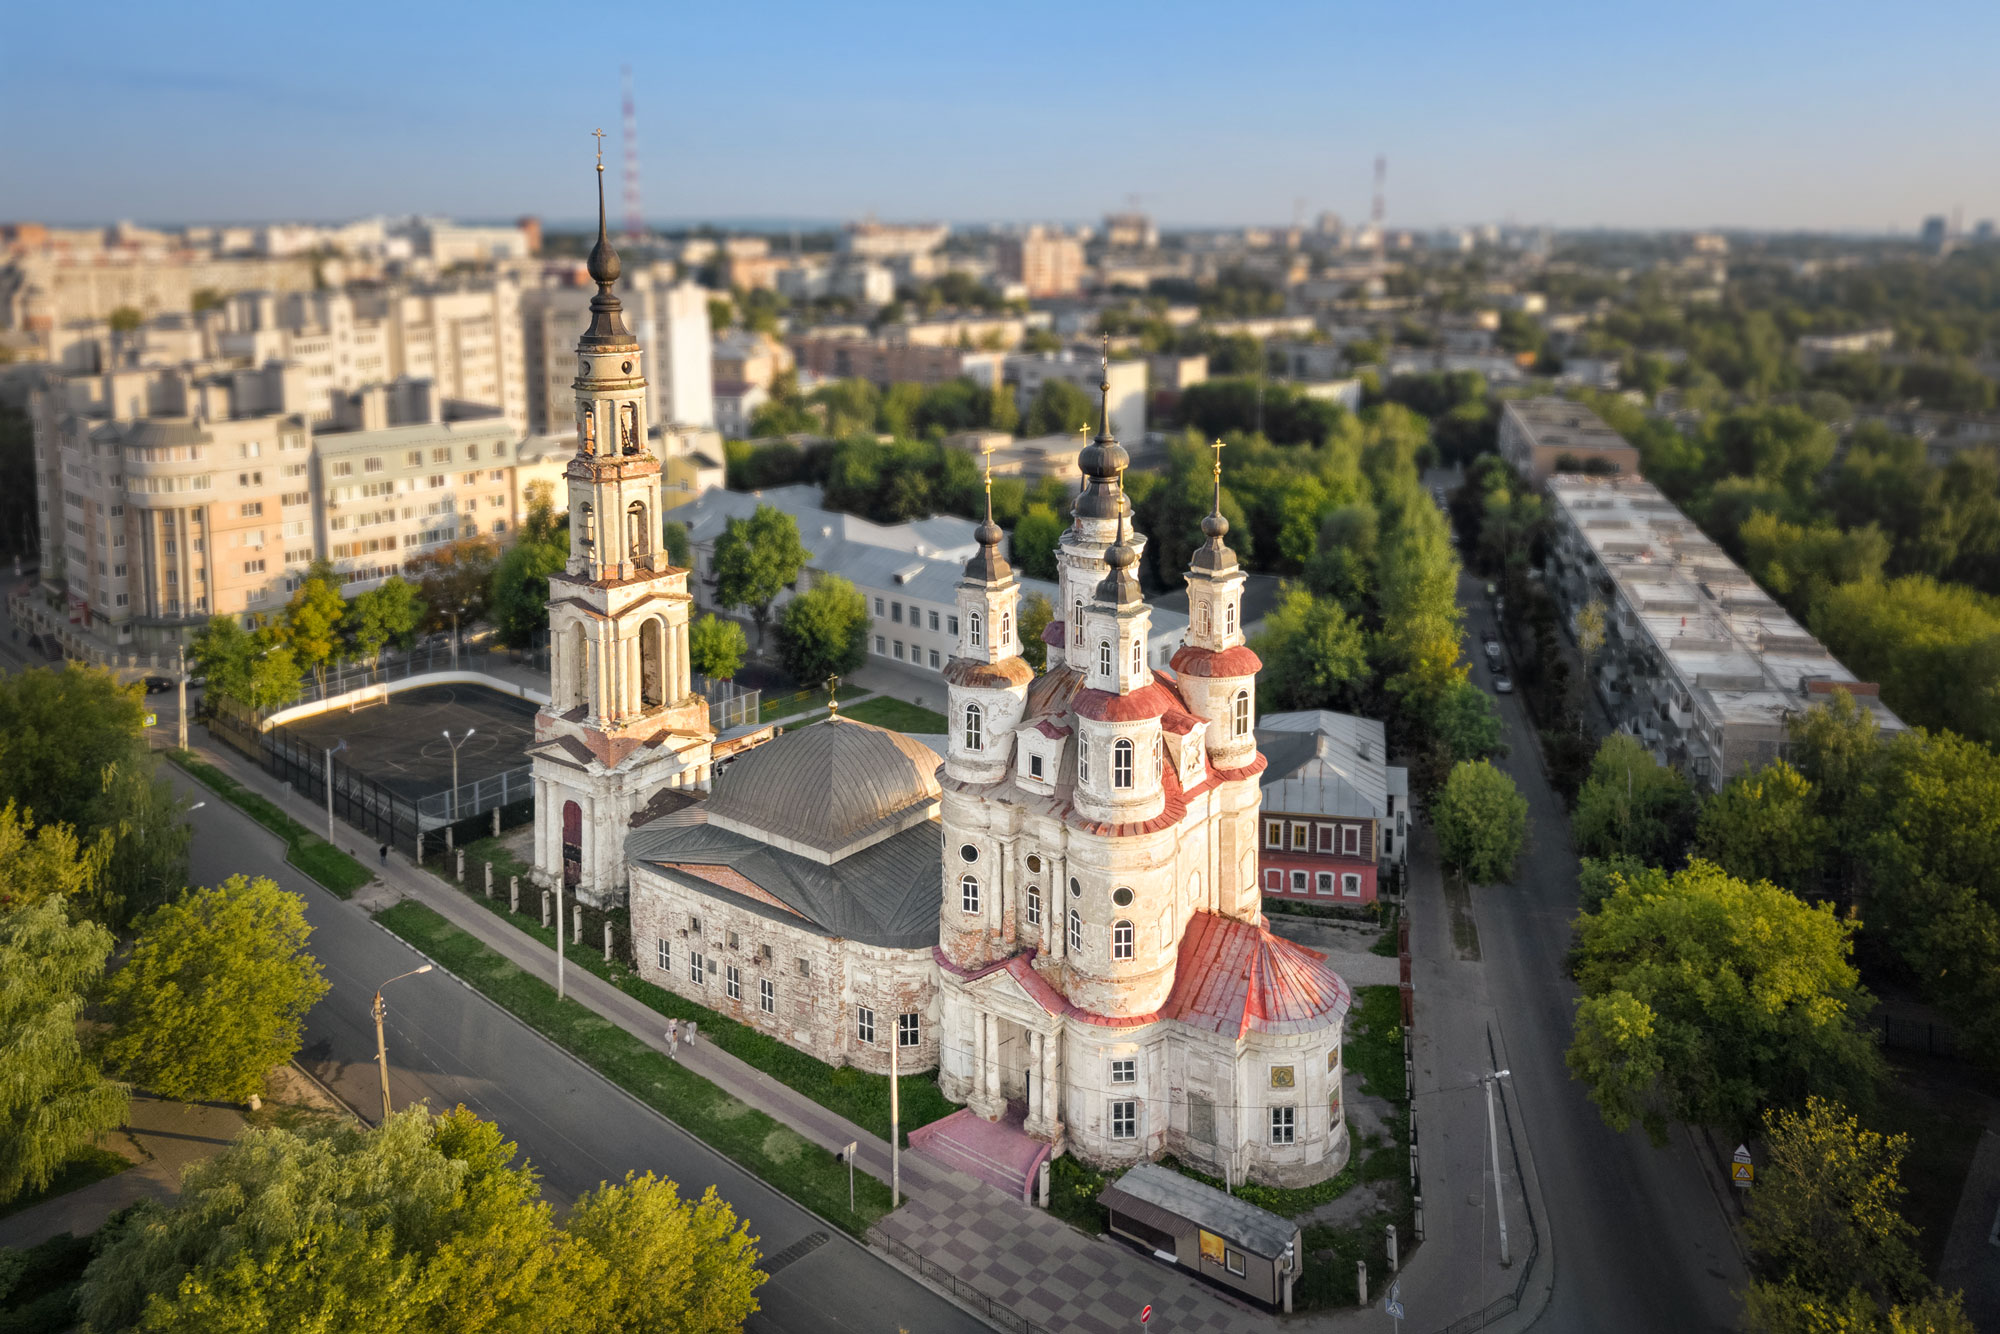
1229,617
652,664
586,430
1104,657
1159,758
628,428
637,538
1075,931
975,728
1034,905
1121,764
1240,723
973,630
1121,940
1076,625
1006,630
589,526
1138,658
1083,761
968,893
1207,621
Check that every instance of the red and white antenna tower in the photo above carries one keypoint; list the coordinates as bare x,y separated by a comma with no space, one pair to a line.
1375,215
635,217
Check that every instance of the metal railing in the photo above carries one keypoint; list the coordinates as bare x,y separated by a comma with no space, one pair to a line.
1001,1316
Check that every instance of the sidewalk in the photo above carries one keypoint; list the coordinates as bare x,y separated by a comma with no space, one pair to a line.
1028,1261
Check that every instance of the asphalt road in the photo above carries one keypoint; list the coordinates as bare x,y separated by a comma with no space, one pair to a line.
449,1045
1639,1239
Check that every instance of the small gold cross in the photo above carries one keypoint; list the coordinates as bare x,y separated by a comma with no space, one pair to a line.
599,134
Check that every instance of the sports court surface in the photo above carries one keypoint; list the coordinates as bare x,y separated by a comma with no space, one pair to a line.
401,744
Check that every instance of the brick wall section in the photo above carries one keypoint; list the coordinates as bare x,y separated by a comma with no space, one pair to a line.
815,1010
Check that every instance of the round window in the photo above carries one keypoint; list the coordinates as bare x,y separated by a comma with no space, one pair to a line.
969,853
1034,862
1122,897
1075,890
583,368
627,368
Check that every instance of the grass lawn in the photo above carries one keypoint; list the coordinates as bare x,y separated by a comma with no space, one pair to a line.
894,714
87,1168
861,1097
334,869
770,708
775,1152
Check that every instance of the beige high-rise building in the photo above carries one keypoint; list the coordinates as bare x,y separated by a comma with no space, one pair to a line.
1045,262
668,315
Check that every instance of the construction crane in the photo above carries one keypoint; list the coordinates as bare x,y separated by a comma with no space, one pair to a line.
635,216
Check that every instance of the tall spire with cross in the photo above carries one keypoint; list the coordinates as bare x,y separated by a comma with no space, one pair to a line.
1103,460
987,565
607,317
1215,555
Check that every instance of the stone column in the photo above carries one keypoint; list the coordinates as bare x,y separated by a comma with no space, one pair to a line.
1038,1095
993,1063
1052,1094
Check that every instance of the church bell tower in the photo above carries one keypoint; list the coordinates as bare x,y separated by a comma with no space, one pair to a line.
622,720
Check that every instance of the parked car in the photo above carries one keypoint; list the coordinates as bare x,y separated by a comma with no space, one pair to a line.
1493,652
159,685
1503,684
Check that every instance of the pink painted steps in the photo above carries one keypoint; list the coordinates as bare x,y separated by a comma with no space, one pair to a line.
999,1153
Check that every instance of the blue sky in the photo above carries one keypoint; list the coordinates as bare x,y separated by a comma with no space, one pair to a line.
1832,115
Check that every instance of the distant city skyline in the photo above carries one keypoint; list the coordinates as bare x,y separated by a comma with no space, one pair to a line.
1787,117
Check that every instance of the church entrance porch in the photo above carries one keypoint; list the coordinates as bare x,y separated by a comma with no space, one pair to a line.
1001,1153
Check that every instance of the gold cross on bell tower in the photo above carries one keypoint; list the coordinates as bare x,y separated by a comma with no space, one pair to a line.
1218,446
599,136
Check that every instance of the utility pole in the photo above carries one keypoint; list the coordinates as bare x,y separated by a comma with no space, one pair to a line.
559,938
381,1043
1493,1135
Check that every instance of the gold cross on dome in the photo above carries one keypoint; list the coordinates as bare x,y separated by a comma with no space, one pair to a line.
599,136
988,451
1218,446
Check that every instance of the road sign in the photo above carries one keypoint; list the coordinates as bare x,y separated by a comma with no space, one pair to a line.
1394,1309
1741,1170
152,720
1392,1300
1146,1314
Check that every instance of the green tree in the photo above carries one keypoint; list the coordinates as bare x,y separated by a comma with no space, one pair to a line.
1315,656
125,319
1590,631
1420,635
674,539
653,1261
1707,1000
755,559
215,992
1342,566
1466,722
1765,826
388,613
1035,539
310,623
716,648
456,578
44,863
256,670
520,590
1825,1214
1036,613
54,1101
1059,408
1633,805
1933,647
1481,822
824,630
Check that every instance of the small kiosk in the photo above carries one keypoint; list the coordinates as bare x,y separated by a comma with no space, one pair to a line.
1226,1241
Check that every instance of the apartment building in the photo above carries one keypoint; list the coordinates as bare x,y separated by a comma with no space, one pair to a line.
161,505
670,319
1540,436
1698,661
47,284
1031,370
881,240
884,361
908,572
1045,262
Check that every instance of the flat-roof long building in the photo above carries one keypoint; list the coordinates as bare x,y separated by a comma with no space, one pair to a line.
1543,436
1698,661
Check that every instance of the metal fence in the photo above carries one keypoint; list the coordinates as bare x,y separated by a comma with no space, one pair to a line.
423,659
729,705
1000,1316
410,825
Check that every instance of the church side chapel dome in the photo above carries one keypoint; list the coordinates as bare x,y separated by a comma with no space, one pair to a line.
828,790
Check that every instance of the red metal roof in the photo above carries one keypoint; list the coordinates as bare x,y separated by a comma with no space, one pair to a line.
1238,661
1055,632
1233,976
1155,699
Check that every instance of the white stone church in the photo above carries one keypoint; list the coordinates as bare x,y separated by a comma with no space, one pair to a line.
1063,919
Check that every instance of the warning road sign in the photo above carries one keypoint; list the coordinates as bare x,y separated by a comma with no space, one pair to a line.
1741,1170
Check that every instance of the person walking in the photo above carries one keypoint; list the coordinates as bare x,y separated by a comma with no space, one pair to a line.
671,1041
385,854
673,1033
690,1034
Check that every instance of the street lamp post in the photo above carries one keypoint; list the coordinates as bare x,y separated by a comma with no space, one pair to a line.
454,613
1493,1134
181,723
331,751
454,764
381,1043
